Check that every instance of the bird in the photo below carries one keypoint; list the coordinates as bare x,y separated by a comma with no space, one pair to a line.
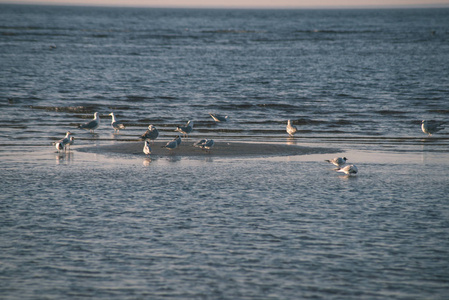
290,128
199,143
431,127
185,130
178,140
348,170
60,145
151,134
115,124
208,144
338,161
173,144
218,118
91,125
71,141
146,148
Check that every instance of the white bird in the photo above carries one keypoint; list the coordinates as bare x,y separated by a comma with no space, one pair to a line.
185,130
60,145
91,125
431,127
146,148
151,134
204,144
290,128
338,161
115,124
218,118
173,144
348,170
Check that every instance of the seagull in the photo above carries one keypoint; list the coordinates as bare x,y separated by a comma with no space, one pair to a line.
348,170
178,140
431,127
115,124
218,118
151,134
172,144
91,125
185,130
338,161
290,128
208,144
60,145
146,148
71,141
200,143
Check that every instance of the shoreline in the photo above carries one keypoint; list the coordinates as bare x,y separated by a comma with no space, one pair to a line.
220,149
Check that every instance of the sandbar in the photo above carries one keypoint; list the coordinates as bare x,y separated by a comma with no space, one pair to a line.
220,149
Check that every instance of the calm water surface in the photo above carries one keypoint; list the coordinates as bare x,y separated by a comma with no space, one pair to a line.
85,225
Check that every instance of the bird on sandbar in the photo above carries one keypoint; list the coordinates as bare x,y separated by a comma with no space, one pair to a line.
146,148
218,118
338,161
173,144
185,130
116,125
60,145
431,127
348,170
151,134
291,129
91,125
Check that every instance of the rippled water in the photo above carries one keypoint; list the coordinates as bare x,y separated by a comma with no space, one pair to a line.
89,225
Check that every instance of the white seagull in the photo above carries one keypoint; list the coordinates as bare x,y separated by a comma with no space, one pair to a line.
173,144
91,125
115,124
146,148
338,161
151,134
185,130
431,127
290,128
218,118
348,170
60,145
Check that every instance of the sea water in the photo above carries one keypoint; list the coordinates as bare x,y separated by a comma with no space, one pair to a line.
99,225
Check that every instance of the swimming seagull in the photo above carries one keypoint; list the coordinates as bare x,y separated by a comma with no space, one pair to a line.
115,124
431,127
185,130
146,148
91,125
151,134
348,170
338,161
218,118
290,128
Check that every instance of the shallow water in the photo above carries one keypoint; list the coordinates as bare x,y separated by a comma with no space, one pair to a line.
99,225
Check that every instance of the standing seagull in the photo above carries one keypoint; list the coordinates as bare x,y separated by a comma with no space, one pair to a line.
218,118
185,130
431,127
91,125
290,128
338,161
151,134
146,148
115,124
172,144
60,145
348,170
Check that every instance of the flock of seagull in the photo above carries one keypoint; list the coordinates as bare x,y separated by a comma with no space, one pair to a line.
428,127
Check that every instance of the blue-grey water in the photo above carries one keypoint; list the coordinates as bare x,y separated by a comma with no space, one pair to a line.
96,225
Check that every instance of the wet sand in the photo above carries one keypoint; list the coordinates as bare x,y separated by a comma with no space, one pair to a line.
220,149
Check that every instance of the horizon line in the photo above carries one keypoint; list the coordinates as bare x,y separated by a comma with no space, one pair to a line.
329,7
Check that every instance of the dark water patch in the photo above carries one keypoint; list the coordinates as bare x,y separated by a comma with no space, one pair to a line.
67,109
386,112
439,111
